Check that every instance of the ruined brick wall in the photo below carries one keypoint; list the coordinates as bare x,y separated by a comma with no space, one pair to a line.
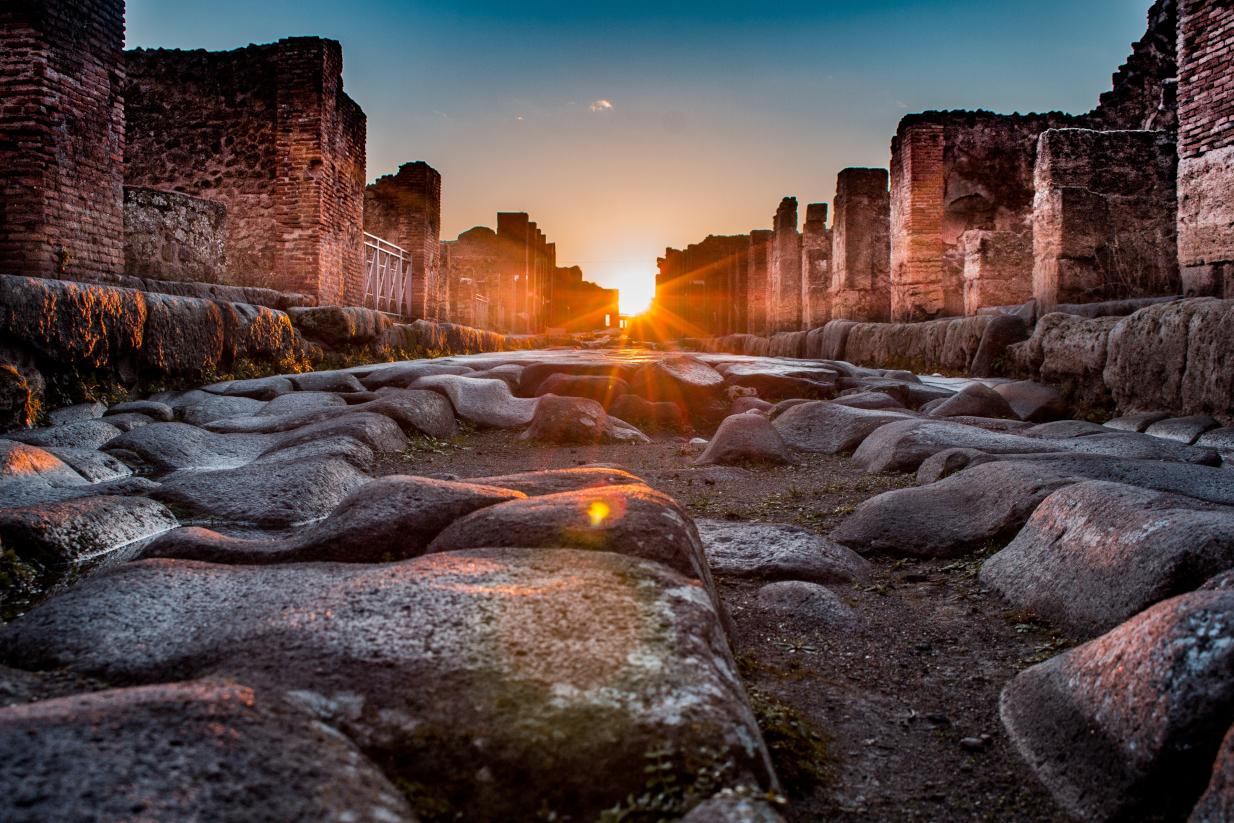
758,283
860,285
61,137
173,236
1206,147
405,209
985,182
816,243
226,152
785,269
716,271
1144,94
1105,219
268,131
527,263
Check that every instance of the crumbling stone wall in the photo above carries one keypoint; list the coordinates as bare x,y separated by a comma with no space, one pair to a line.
1206,147
1104,220
527,263
998,268
816,262
62,135
758,283
405,209
860,287
703,290
173,236
268,131
959,172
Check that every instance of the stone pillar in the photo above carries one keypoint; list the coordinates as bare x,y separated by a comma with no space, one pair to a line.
513,231
917,198
758,283
816,266
786,268
861,278
405,209
62,138
1104,217
1206,147
998,269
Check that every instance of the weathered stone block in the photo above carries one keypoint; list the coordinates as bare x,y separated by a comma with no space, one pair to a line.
172,236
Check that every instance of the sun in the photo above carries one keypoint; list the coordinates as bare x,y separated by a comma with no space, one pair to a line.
638,289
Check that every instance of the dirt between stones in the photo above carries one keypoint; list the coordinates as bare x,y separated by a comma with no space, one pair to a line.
906,710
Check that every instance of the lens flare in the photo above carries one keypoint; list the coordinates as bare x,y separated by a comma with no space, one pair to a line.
598,511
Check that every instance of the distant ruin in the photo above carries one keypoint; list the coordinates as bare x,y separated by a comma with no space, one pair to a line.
979,210
509,280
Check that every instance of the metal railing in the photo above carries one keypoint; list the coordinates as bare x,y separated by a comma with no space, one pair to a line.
387,276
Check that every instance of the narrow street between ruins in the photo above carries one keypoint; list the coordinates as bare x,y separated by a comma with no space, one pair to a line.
895,721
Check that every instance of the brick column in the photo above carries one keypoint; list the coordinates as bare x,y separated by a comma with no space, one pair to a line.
816,267
62,138
786,268
861,280
917,198
1206,147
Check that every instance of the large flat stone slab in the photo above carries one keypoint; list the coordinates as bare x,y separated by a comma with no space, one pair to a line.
569,665
84,434
829,428
422,412
1126,727
775,551
267,494
949,518
184,751
486,403
554,481
904,445
383,520
1095,554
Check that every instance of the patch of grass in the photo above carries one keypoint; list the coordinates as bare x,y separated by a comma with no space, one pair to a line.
969,567
1052,642
676,783
799,750
430,804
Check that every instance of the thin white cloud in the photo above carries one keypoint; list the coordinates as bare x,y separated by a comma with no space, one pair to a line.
601,106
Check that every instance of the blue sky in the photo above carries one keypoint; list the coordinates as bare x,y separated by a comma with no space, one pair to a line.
627,127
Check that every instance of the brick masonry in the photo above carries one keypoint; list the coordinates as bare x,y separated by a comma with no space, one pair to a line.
405,209
816,263
1206,147
62,133
268,131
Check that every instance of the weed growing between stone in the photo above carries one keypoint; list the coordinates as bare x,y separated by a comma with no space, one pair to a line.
799,750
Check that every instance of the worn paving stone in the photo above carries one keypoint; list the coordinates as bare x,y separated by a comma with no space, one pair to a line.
198,411
603,390
1137,423
486,403
259,388
872,400
948,462
95,466
809,603
579,421
902,446
949,518
775,551
555,481
1217,803
415,411
76,414
1127,726
327,381
663,416
1032,401
402,375
60,541
298,402
23,463
734,809
184,751
1185,430
681,379
826,428
1141,446
266,494
1065,430
745,438
160,412
570,665
534,374
83,434
1220,440
974,400
393,518
746,404
1095,554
